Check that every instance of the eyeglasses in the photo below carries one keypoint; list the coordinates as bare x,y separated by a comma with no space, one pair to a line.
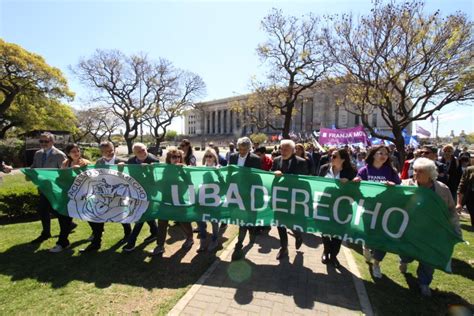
425,152
208,156
44,141
334,156
175,157
380,153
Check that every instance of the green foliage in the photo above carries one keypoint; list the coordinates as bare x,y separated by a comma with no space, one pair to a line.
18,197
91,153
27,83
170,135
258,138
12,151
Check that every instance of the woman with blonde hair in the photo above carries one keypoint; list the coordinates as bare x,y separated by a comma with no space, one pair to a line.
174,156
210,159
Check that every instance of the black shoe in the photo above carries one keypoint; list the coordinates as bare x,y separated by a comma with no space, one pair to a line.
335,262
150,238
91,248
73,226
298,242
237,254
324,258
40,239
282,253
129,247
124,239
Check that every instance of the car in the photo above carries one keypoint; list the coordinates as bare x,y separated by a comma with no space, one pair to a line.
157,151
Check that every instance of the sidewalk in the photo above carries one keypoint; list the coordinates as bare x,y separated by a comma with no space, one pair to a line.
262,285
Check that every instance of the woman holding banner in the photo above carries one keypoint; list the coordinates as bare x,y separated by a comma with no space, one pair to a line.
339,168
378,169
74,160
210,159
424,175
174,156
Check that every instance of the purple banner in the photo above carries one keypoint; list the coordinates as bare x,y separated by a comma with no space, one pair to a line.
342,136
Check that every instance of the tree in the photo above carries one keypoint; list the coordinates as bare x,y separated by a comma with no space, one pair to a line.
258,138
399,61
25,74
296,62
39,112
97,123
175,92
171,135
132,88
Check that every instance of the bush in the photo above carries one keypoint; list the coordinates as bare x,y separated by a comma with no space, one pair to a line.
12,151
91,153
19,201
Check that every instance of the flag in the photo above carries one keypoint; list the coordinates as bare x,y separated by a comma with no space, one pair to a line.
420,130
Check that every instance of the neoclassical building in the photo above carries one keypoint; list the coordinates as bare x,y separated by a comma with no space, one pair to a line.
216,121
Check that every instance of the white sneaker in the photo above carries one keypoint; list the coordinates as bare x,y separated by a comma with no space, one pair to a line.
188,243
425,290
376,271
213,245
403,267
367,255
57,248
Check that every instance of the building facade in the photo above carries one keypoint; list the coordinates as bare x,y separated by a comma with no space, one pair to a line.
216,120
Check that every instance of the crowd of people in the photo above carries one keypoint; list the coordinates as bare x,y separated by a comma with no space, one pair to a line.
448,173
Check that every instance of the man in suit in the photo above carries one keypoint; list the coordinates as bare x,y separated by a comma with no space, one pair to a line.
47,157
244,158
288,163
142,157
107,150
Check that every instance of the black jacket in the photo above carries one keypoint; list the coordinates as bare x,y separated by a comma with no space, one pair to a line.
252,160
296,165
149,159
348,173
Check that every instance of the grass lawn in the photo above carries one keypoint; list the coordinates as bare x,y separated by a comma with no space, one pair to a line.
396,294
14,181
34,281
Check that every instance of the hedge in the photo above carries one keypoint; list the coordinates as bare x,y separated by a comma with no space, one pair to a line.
18,201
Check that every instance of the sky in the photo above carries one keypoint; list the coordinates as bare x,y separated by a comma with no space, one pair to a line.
215,39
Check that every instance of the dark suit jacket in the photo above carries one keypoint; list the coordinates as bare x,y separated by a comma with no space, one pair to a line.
149,159
101,161
54,160
345,173
252,160
296,165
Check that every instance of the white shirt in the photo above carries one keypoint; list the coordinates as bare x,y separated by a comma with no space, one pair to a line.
241,161
331,174
110,162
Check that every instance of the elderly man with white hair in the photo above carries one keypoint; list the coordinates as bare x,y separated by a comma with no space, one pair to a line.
288,163
425,174
142,157
244,158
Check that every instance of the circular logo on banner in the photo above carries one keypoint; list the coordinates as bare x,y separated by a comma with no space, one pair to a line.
106,195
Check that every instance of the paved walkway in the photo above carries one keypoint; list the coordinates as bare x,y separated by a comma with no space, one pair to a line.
262,285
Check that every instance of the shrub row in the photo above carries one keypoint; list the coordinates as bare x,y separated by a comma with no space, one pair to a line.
18,201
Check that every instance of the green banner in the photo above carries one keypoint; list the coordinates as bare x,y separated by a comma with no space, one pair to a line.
409,221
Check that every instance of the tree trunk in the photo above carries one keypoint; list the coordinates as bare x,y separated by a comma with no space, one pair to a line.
287,122
400,145
129,142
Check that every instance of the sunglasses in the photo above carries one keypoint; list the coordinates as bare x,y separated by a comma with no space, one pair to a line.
44,141
175,157
208,156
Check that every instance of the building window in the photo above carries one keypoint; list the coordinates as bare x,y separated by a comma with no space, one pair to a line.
213,122
374,119
225,121
219,122
231,125
357,120
208,118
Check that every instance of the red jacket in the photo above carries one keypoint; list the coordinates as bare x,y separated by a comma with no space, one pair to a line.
267,163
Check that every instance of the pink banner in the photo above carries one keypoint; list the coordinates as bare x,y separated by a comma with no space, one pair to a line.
342,136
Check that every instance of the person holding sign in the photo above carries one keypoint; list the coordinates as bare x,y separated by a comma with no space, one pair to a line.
341,169
378,169
424,175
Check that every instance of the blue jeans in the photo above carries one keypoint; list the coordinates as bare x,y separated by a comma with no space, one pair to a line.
202,226
424,271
